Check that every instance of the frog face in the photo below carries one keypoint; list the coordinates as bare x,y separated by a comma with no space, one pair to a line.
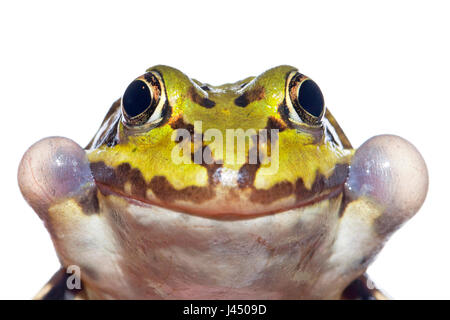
260,145
244,190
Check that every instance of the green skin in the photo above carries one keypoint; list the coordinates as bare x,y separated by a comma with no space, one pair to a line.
303,222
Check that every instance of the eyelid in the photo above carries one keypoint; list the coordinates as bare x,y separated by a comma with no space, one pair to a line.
157,114
293,115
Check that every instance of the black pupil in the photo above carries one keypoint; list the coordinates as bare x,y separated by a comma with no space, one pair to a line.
137,98
310,98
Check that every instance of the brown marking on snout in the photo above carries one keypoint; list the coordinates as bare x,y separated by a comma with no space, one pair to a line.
178,123
119,176
277,192
320,187
250,96
213,169
138,184
197,98
162,188
275,123
247,172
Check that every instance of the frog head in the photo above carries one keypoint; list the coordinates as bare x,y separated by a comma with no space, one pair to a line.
184,180
253,147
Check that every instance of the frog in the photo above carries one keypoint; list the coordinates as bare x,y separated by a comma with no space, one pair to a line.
247,190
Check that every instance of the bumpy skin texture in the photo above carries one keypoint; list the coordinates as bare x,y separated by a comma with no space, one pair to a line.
141,226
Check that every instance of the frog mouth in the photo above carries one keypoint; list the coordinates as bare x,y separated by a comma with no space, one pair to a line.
216,199
222,209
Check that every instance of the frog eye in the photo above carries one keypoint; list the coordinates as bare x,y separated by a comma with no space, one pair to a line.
142,100
305,100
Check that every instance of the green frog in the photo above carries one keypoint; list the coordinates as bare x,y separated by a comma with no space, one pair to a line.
249,190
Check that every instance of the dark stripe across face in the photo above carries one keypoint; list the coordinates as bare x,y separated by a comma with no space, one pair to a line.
163,190
302,194
116,178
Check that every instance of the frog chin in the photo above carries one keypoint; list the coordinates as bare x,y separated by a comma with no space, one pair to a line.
173,255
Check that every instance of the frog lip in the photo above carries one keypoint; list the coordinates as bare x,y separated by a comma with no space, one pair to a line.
217,198
220,212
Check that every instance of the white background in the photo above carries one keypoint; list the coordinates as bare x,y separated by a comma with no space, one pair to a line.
383,68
